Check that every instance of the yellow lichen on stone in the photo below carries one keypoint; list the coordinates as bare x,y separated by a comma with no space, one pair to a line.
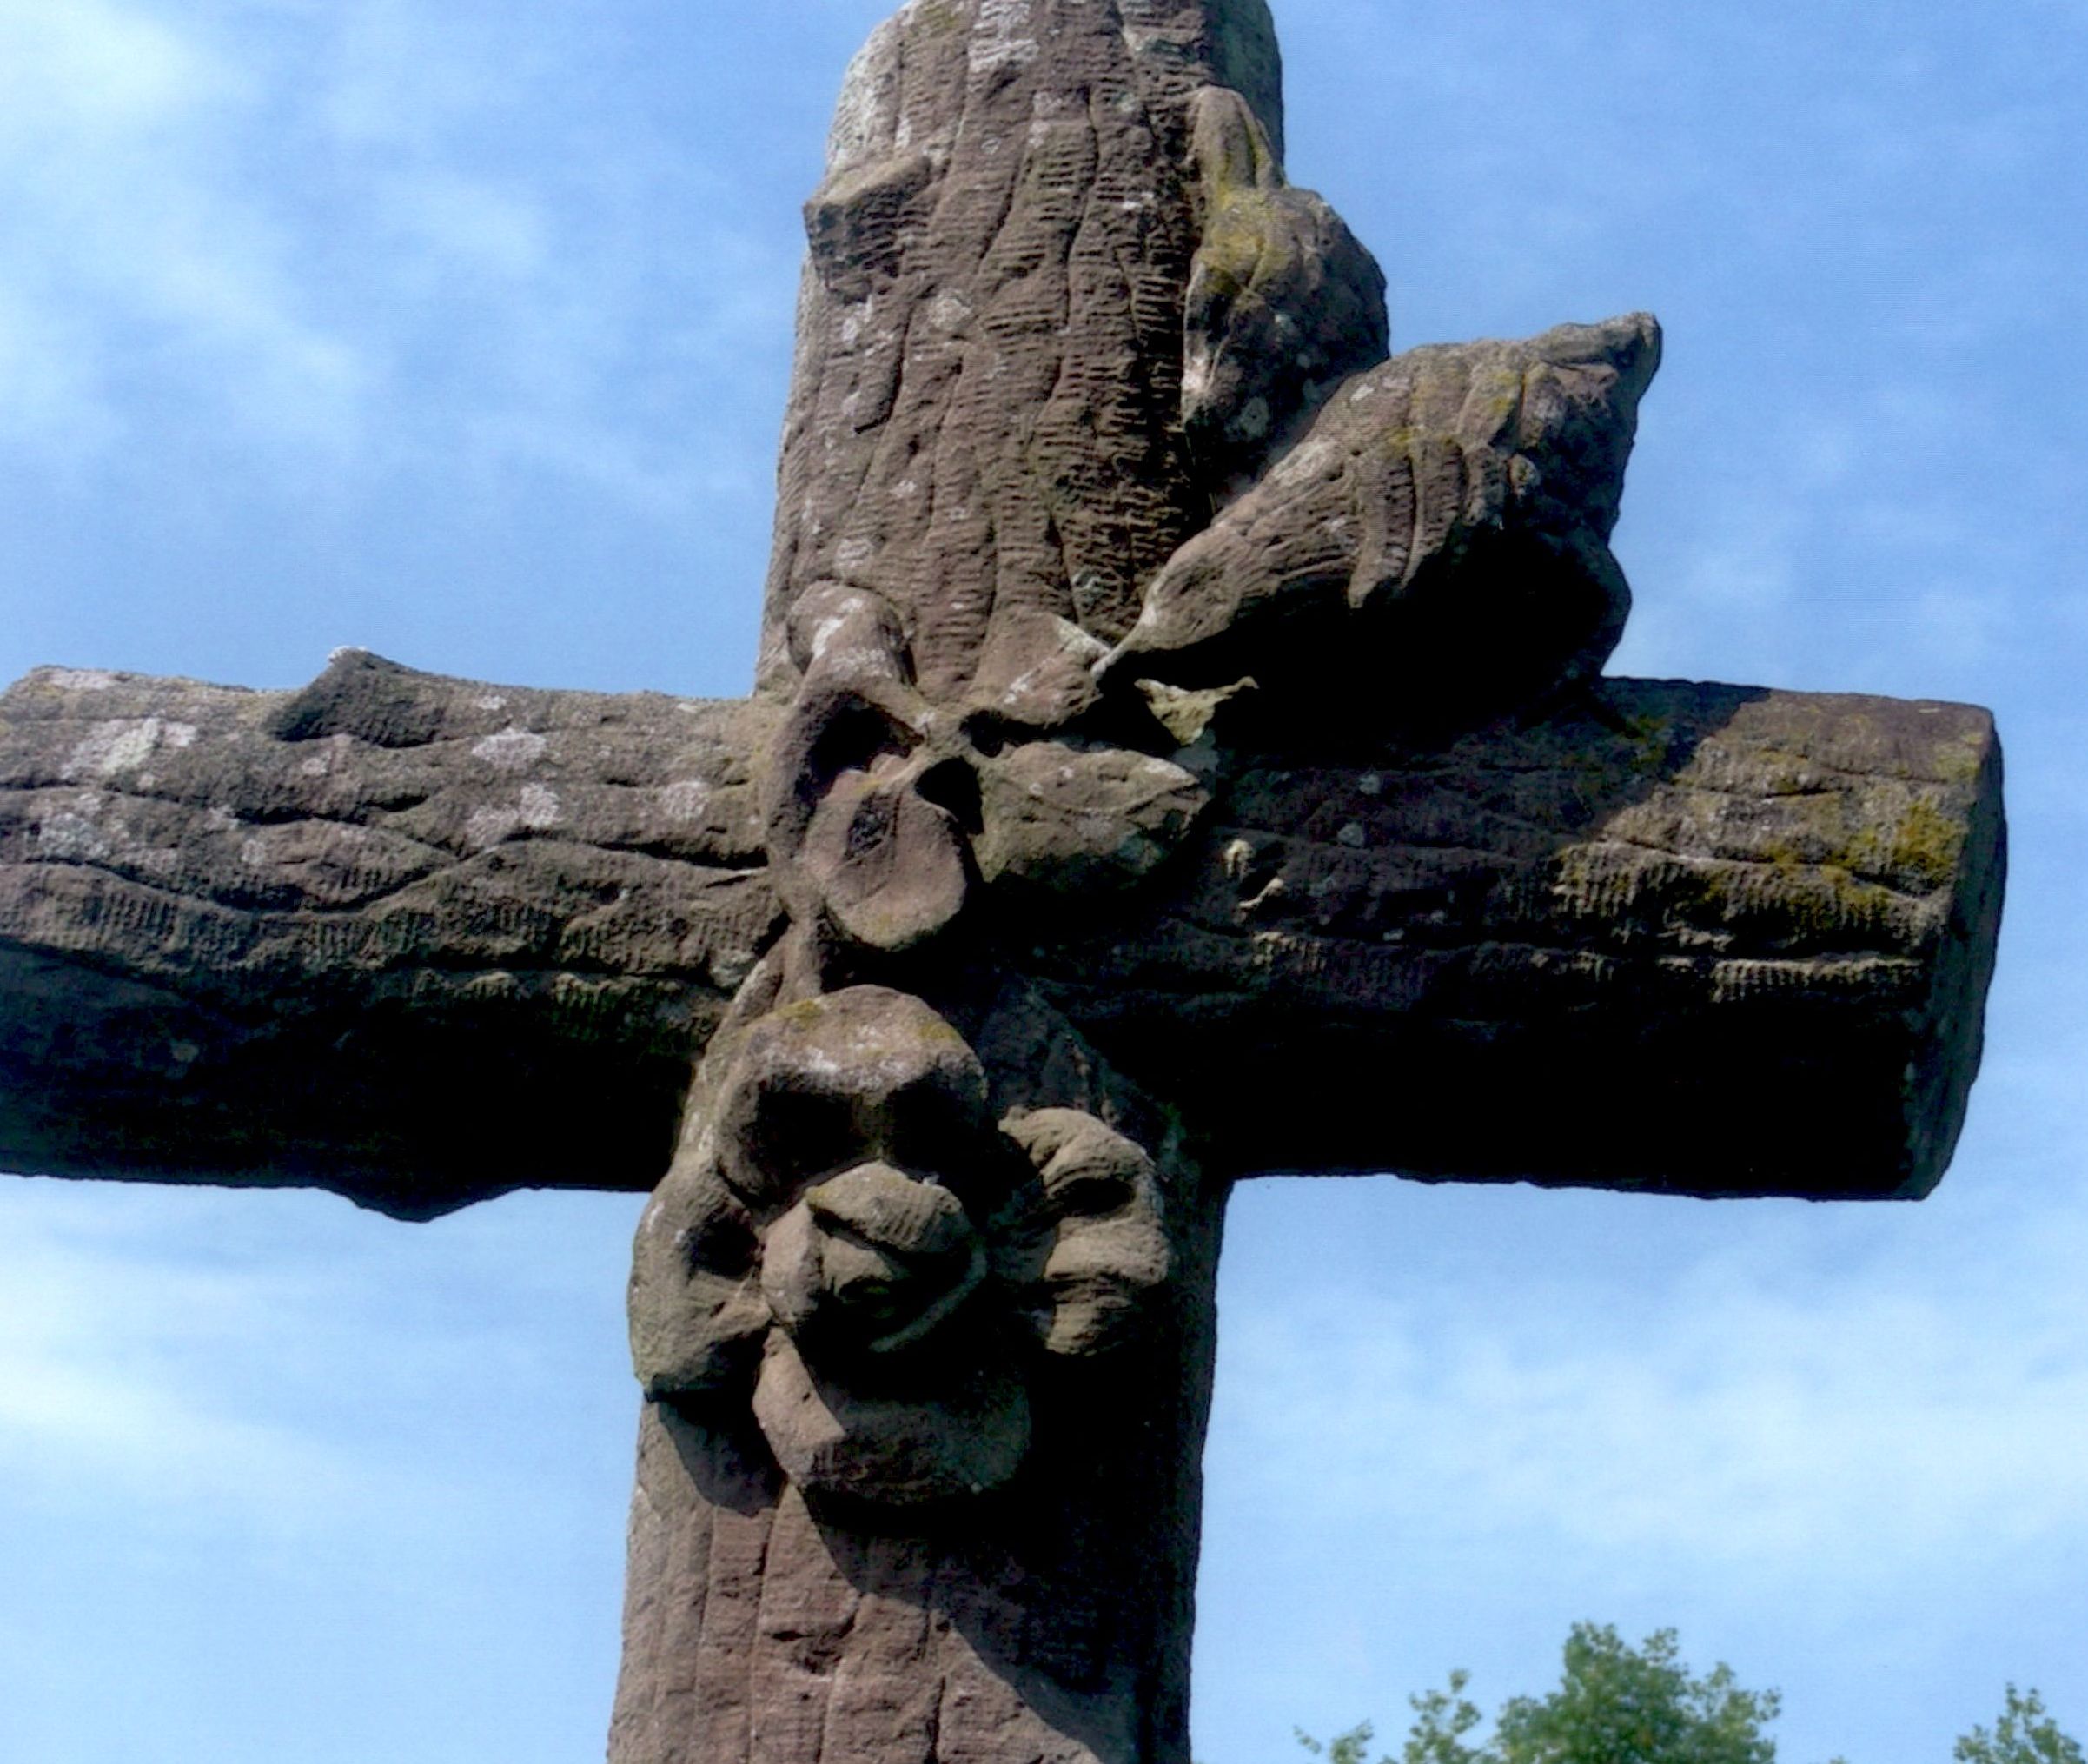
1928,844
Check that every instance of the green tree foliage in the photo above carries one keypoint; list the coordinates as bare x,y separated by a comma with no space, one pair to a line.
2024,1734
1351,1748
1617,1704
1622,1705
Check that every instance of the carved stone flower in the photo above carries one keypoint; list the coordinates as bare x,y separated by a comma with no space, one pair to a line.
852,1245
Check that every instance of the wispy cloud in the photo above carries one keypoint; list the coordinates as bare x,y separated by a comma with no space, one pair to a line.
106,1391
131,249
1729,1416
274,225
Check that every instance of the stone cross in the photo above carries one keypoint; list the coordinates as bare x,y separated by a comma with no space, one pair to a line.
1179,752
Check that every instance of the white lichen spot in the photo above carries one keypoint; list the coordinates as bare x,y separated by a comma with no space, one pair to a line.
823,634
491,702
489,825
1365,391
77,679
686,799
540,808
316,766
178,735
1235,858
123,743
1308,459
71,836
512,750
1370,783
221,819
948,311
1253,420
254,852
905,489
854,553
867,111
1352,836
183,1054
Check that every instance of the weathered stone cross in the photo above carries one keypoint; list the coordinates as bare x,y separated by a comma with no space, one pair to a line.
1179,752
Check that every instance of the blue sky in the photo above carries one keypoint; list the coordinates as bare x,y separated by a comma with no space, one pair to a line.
460,332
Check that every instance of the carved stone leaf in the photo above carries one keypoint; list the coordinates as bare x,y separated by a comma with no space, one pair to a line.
1437,547
1076,821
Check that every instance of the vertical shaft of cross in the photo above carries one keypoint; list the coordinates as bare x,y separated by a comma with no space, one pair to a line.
923,1310
1049,1623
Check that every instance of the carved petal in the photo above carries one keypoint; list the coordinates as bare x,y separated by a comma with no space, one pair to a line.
962,1437
697,1310
821,1086
1107,1252
890,865
1075,819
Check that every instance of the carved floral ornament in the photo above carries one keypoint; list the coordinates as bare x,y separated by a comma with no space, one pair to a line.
852,1239
863,1238
852,1243
875,1238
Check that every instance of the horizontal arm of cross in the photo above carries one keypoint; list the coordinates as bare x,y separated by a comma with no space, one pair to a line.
1688,939
422,941
415,939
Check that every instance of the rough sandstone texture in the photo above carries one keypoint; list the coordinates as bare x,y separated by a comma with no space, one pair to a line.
416,940
985,424
231,957
1178,753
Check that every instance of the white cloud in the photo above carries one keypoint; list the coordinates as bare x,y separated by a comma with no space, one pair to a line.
1853,1434
105,1392
131,244
98,68
327,241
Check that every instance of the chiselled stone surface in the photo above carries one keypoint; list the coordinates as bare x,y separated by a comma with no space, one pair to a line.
1669,905
1834,862
986,419
1178,753
274,937
1284,303
1436,547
